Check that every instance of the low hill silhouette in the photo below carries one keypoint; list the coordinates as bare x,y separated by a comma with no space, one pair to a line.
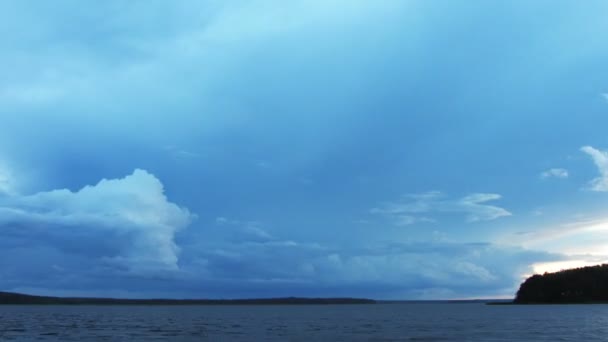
578,285
18,298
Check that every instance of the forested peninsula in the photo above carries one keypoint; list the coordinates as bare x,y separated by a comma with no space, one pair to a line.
579,285
18,298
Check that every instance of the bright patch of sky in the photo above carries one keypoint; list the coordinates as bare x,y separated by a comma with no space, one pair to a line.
385,149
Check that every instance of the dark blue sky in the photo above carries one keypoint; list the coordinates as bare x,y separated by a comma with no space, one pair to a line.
386,149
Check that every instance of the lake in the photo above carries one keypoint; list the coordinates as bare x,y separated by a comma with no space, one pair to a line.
380,322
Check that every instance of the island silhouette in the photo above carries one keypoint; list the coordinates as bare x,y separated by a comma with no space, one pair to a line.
578,285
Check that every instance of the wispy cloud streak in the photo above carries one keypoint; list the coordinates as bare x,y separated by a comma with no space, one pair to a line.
474,207
600,158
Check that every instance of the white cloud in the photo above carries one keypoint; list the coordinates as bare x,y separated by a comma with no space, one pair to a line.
555,173
600,158
477,210
131,217
473,206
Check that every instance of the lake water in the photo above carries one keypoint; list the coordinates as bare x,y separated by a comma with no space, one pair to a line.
380,322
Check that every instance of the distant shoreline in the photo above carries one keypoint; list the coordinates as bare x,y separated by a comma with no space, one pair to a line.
10,298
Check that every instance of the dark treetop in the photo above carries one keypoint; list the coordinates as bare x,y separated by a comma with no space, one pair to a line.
579,285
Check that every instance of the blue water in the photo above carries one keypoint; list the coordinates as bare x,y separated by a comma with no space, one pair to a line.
381,322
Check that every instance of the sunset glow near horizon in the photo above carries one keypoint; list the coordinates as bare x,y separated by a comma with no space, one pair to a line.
381,149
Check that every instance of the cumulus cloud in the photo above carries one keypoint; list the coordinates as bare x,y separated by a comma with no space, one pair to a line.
474,207
600,158
127,223
555,173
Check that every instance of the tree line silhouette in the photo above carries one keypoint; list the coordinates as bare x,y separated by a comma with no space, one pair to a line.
578,285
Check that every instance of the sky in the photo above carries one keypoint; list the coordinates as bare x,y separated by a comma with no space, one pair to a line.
228,149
